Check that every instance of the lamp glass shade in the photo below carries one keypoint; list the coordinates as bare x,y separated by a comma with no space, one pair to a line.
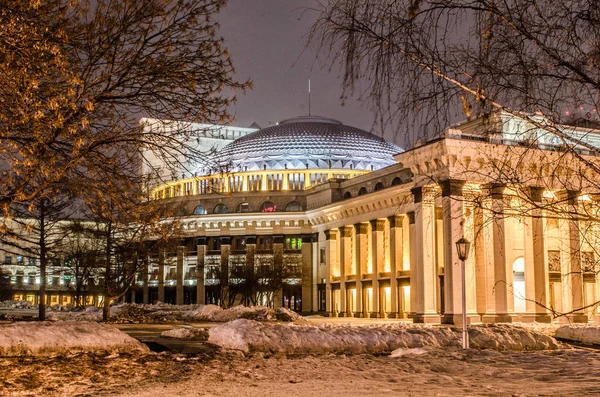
462,248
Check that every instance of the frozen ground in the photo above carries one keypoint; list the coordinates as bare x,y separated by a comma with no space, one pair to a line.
438,372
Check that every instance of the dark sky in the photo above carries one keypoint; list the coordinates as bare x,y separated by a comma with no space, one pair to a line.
266,40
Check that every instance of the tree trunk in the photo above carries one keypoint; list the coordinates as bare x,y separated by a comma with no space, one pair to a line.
106,309
43,260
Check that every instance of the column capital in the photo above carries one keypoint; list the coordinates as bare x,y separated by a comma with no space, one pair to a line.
568,196
452,187
347,230
377,225
362,228
396,220
331,234
494,190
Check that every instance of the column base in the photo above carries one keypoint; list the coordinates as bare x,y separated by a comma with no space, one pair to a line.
359,315
342,314
573,318
426,318
497,318
535,318
392,315
456,319
374,315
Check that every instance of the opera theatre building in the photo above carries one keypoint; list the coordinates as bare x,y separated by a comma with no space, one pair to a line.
321,217
359,227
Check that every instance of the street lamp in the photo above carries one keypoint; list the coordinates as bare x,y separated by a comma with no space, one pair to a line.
462,248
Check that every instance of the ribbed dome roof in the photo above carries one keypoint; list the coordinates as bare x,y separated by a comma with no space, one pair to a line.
308,142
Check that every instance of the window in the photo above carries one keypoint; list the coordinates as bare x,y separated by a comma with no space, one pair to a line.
221,209
8,259
293,206
322,256
19,259
200,210
267,206
265,243
293,243
347,195
32,261
181,211
396,181
238,243
243,208
379,186
363,190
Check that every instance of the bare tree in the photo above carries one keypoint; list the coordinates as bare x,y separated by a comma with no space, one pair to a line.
524,73
78,75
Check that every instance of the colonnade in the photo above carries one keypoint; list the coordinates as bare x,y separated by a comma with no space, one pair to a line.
407,266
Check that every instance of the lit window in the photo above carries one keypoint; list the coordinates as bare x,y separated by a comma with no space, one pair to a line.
293,243
268,206
200,210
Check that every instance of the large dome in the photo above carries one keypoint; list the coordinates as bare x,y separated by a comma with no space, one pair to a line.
308,142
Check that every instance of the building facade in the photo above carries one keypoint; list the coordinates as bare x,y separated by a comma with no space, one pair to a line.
359,227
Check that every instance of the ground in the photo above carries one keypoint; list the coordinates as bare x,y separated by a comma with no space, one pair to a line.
447,372
203,369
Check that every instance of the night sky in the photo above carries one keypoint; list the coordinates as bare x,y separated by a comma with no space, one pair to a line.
266,40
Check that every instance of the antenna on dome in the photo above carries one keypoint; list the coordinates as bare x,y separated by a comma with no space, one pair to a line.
309,97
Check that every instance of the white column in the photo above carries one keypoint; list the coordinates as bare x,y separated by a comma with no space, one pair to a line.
425,255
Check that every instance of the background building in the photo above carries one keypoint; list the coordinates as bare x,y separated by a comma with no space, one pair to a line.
322,217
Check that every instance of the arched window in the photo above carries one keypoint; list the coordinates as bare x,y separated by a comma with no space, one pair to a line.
396,181
347,195
200,210
267,206
363,190
243,208
181,211
379,186
293,206
220,209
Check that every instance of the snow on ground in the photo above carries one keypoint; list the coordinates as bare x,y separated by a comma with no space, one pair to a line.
185,333
44,338
585,333
251,336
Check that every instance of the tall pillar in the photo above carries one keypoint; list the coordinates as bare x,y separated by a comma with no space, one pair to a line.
396,260
331,267
345,266
307,272
378,257
498,278
536,274
224,280
361,265
179,275
425,271
457,214
200,287
161,275
145,291
278,263
570,258
415,304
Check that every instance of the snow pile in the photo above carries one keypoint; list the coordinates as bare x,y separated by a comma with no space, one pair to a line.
584,333
16,305
44,338
417,351
257,313
186,333
251,336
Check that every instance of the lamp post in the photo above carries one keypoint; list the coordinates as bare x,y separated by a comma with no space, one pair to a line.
462,248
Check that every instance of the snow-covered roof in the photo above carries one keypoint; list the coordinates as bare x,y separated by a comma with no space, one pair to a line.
308,142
